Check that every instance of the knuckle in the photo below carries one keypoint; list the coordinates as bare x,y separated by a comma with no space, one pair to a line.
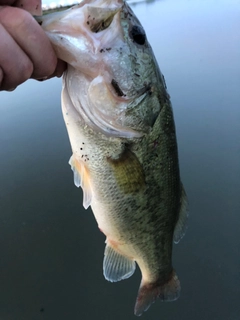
27,70
11,80
14,17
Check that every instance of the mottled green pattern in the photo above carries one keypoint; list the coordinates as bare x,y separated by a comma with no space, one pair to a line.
135,182
121,128
145,219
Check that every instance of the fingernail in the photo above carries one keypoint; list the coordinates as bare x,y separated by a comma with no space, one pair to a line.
12,89
42,79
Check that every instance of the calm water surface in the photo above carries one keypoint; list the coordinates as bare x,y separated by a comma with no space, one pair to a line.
51,251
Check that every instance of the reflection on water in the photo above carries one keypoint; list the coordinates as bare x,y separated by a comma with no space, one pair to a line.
51,251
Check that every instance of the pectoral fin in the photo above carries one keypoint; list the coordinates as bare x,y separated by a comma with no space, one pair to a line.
181,225
81,179
116,267
128,172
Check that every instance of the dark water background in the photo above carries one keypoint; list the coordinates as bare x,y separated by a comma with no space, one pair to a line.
51,251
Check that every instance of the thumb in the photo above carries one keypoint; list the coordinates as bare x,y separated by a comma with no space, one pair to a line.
32,6
1,76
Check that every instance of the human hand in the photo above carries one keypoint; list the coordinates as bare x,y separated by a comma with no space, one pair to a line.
32,6
25,50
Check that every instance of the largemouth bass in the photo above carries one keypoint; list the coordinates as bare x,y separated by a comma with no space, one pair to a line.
121,129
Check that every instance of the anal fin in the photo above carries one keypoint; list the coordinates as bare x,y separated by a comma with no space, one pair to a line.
81,179
181,225
117,267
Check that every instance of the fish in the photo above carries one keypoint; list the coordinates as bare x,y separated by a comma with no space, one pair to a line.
120,124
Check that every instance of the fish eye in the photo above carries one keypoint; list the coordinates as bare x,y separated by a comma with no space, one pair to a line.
138,35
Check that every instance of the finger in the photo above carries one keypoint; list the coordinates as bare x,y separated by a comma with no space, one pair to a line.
14,63
1,76
32,6
60,68
7,2
31,38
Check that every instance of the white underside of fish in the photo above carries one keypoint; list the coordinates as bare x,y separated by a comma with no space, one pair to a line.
112,99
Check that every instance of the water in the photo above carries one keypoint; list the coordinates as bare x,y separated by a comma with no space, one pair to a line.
51,249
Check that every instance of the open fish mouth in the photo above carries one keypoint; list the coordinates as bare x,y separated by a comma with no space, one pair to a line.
106,49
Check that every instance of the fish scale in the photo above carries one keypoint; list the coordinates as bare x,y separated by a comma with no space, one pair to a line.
121,128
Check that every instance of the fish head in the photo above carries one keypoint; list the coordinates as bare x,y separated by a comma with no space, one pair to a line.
112,80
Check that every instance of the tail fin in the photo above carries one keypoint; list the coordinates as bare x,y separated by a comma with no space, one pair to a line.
148,293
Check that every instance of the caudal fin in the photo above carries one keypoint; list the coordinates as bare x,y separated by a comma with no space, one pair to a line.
149,292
